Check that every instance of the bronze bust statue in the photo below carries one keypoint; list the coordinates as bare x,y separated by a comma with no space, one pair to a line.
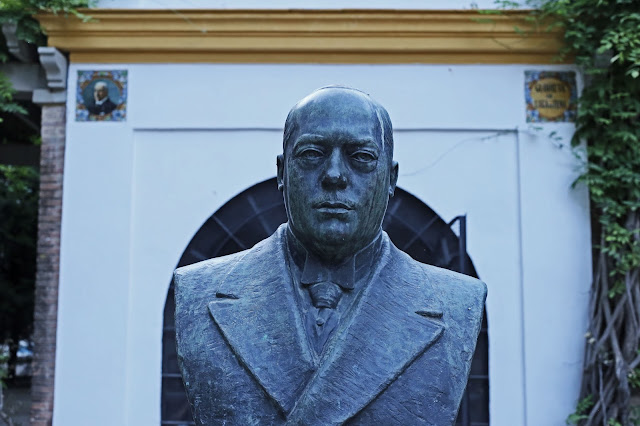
326,321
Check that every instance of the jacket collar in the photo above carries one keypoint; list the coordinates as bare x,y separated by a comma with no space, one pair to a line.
345,275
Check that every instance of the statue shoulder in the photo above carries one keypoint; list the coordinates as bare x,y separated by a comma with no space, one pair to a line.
448,285
201,279
454,284
462,296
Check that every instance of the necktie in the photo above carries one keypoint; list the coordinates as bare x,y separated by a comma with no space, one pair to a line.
326,284
325,296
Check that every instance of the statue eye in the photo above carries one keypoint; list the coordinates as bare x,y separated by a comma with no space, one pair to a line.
311,154
364,156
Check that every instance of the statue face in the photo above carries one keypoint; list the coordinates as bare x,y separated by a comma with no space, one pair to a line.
336,175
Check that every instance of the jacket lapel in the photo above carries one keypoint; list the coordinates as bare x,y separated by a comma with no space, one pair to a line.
256,312
395,320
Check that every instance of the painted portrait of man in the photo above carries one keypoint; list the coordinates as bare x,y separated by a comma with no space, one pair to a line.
101,103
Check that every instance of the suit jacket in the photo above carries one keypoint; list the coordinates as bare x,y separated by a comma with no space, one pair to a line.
106,107
401,356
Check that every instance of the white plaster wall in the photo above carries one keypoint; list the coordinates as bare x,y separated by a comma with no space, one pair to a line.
556,273
196,135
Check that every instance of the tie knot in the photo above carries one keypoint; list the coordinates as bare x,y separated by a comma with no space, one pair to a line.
325,294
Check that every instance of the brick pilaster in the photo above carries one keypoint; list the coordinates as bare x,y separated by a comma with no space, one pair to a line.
48,263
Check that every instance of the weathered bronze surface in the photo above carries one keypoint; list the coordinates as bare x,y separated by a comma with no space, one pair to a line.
326,321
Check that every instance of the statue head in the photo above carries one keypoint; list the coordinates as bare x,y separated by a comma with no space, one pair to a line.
337,171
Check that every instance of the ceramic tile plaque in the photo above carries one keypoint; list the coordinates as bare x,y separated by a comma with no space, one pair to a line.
551,96
101,96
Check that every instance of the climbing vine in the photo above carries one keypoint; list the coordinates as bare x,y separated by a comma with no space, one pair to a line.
604,38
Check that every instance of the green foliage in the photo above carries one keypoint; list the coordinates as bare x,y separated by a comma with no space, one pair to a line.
634,378
609,119
18,231
584,405
6,98
603,37
20,13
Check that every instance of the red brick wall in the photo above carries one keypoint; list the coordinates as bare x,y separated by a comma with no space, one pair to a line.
48,263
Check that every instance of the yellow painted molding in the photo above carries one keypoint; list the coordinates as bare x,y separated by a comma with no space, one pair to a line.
301,36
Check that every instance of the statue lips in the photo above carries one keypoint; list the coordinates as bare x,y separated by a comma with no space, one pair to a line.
333,208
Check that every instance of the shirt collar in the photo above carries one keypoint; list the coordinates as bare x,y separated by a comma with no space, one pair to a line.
346,275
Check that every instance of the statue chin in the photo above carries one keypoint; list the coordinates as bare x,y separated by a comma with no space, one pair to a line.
329,246
335,247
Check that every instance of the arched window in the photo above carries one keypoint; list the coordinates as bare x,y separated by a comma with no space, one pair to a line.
255,214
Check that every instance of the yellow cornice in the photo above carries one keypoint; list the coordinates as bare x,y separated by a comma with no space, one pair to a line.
301,36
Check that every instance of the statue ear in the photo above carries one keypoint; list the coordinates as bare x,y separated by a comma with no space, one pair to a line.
393,178
280,176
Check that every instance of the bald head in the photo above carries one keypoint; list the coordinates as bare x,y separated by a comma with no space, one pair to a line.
337,171
342,98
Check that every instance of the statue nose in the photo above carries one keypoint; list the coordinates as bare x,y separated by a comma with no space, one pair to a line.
335,174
